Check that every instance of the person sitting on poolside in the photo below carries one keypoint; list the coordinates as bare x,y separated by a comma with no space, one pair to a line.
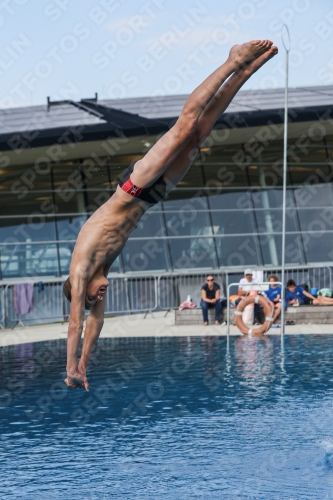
296,295
210,297
247,280
274,295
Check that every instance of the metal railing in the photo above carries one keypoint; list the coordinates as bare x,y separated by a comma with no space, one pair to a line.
47,303
125,294
134,293
173,289
131,294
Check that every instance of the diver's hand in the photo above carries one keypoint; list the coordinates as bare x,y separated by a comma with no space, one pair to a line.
77,379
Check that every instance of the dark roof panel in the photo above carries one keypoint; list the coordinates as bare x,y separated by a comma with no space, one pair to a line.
245,100
15,120
148,115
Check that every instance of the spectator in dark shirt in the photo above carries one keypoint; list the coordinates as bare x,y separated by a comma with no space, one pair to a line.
296,295
210,297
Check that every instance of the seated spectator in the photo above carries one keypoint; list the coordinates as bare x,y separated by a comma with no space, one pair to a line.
274,295
248,278
210,297
296,295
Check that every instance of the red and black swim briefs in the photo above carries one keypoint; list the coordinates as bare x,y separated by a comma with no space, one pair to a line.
152,194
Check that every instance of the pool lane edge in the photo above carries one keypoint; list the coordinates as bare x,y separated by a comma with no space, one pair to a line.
138,326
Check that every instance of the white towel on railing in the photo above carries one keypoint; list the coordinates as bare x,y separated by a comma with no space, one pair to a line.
23,297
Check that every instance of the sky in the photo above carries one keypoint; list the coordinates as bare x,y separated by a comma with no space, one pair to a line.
71,49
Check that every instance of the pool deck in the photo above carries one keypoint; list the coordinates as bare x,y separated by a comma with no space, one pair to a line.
137,326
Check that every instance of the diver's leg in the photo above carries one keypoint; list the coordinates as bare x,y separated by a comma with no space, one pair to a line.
164,152
213,111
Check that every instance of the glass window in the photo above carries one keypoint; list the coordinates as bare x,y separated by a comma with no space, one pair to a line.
20,180
26,203
253,175
95,199
272,152
237,222
219,155
318,246
69,188
151,224
69,172
145,255
69,201
227,194
271,247
123,160
318,195
312,153
69,227
270,221
314,219
269,176
236,251
65,256
195,195
240,200
193,253
29,260
36,227
193,177
188,222
310,176
96,176
186,201
220,175
272,198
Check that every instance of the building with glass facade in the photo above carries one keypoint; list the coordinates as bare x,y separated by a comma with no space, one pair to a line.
60,162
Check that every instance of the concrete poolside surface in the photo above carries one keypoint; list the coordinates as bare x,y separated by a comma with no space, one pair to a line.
137,326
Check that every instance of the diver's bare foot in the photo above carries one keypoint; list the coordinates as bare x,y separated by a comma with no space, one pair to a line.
254,65
241,54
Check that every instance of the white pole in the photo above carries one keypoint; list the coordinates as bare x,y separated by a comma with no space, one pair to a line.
285,143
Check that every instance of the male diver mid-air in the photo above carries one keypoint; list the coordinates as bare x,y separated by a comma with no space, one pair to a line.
104,235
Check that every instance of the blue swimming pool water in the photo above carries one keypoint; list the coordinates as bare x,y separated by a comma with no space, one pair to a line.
170,418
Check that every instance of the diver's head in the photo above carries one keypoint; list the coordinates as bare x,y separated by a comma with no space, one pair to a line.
95,290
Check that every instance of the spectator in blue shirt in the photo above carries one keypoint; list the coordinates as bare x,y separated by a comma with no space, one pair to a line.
274,295
296,295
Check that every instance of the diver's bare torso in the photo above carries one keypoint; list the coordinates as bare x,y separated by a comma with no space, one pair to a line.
105,233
